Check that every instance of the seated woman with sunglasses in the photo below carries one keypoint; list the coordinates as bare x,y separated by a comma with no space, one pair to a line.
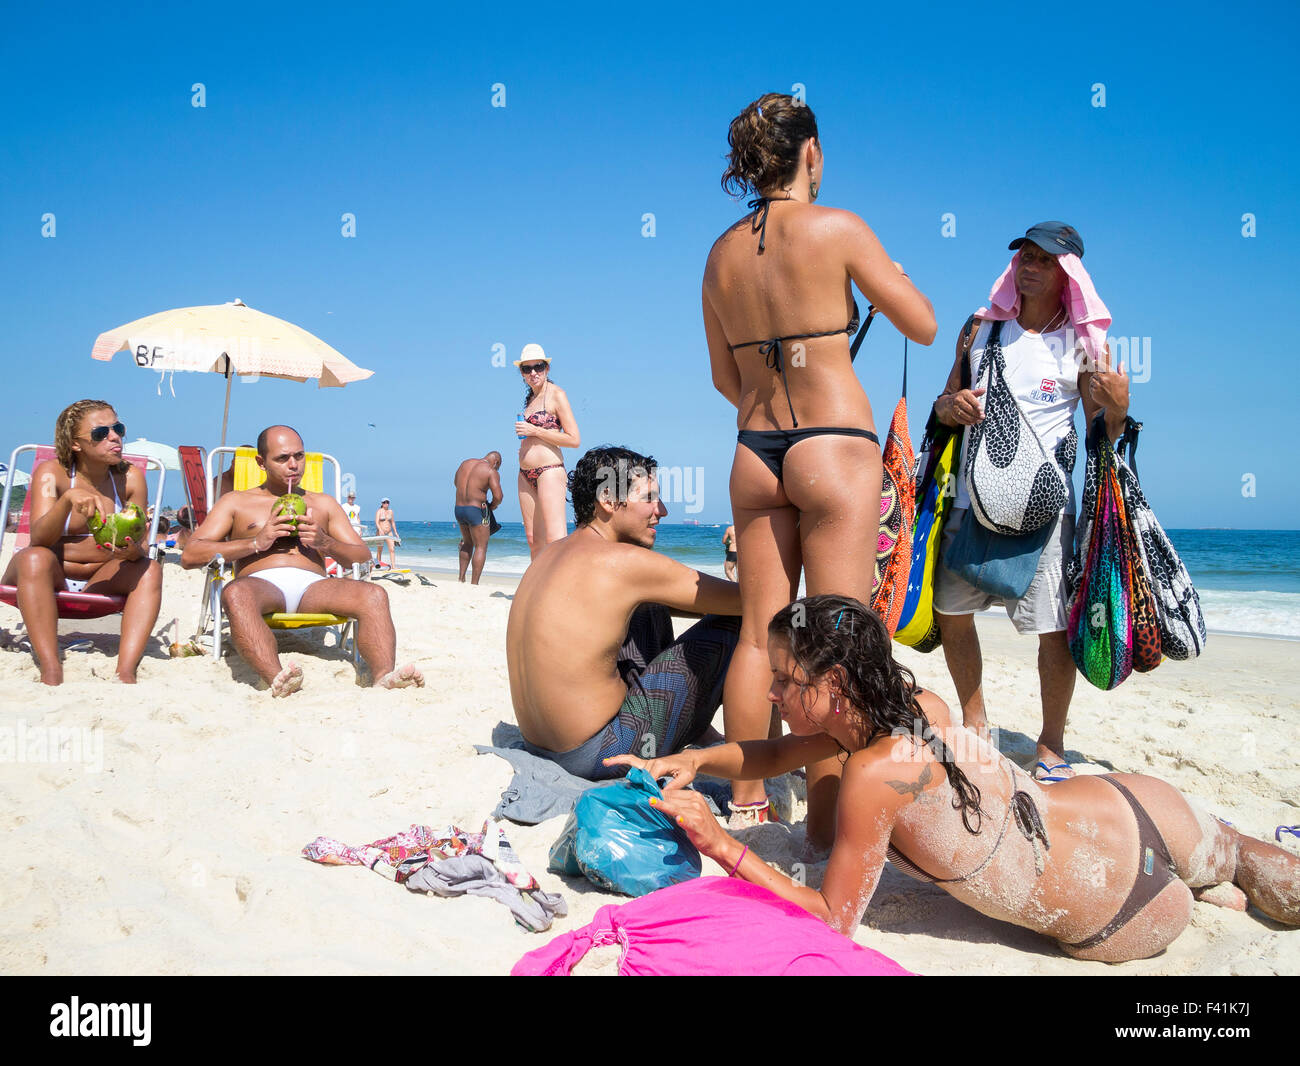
1102,864
547,426
89,475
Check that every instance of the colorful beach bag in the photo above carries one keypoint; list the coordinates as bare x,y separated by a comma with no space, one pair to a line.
1177,605
618,841
935,492
897,512
1015,485
1099,629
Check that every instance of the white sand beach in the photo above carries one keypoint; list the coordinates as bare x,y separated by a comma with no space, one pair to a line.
175,847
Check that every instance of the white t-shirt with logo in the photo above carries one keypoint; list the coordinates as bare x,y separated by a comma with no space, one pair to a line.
1043,375
354,515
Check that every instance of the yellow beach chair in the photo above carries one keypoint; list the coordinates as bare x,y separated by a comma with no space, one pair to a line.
248,475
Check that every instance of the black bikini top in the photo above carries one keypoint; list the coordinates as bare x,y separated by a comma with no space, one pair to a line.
772,348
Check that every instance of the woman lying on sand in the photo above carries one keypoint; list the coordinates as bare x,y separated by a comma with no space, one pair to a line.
1105,865
89,475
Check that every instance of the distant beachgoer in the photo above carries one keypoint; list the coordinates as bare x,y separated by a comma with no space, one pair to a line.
353,512
88,476
1047,371
1104,864
474,479
548,425
806,478
277,570
594,669
729,553
386,527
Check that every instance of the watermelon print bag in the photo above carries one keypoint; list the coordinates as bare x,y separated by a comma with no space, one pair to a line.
1015,485
897,514
1099,629
1177,606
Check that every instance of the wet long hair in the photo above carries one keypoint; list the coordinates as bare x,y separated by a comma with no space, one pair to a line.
67,425
823,632
766,139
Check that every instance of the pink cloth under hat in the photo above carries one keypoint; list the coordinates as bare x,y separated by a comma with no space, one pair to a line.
1087,314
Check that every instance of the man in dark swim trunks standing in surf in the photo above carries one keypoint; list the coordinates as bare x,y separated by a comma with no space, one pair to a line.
474,478
594,668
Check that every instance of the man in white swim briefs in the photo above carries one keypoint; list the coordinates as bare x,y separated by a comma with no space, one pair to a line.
280,570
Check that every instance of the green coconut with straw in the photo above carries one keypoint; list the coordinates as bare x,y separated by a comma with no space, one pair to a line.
114,531
292,506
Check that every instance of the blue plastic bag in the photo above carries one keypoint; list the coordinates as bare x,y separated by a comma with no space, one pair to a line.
619,842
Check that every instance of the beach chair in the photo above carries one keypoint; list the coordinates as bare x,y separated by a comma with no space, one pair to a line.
79,605
249,475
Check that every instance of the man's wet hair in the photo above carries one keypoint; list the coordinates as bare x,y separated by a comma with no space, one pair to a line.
262,437
607,466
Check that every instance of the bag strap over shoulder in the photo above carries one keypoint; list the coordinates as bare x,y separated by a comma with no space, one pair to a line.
968,331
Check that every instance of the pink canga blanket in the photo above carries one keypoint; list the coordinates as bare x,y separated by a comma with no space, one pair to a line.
706,927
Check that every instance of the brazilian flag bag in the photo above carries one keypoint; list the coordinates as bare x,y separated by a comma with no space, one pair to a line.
936,488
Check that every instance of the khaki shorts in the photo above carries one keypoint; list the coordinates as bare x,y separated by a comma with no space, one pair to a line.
1042,609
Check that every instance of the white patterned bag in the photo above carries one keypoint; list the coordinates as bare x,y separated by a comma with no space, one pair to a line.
1016,486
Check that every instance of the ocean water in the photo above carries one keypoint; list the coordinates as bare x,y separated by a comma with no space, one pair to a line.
1248,580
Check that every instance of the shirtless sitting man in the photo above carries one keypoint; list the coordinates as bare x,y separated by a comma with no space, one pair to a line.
594,669
280,571
474,479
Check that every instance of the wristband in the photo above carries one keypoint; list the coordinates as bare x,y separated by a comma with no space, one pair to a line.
743,852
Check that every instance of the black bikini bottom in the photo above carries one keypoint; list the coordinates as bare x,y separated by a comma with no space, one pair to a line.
1155,870
770,445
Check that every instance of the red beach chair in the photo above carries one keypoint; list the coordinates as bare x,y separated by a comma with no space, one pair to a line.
82,605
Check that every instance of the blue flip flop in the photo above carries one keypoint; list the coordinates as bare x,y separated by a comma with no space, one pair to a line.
1050,776
1294,830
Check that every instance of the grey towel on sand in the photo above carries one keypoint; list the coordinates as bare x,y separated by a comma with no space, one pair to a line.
477,876
541,789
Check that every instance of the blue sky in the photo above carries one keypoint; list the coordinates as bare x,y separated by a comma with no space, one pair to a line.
478,226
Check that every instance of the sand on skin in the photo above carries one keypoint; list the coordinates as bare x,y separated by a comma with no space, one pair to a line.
181,855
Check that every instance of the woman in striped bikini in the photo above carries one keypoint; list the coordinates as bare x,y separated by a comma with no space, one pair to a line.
547,426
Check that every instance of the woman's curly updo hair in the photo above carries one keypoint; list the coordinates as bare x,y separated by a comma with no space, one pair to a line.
765,140
607,466
823,632
67,425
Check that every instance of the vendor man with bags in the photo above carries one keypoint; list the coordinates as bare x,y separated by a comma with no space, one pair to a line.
1023,364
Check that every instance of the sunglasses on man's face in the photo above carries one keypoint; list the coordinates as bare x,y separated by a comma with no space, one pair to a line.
100,433
532,368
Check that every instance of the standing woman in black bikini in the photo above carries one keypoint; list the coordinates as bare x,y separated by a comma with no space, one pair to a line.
547,427
805,482
89,475
1104,864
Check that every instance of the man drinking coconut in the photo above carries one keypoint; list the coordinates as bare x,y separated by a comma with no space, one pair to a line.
278,547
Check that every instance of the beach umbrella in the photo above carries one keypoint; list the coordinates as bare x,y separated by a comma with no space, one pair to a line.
168,456
20,478
228,339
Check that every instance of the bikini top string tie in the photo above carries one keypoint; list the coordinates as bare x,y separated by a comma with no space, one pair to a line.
760,205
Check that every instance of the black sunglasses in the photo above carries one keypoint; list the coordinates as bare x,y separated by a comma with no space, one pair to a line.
533,368
100,433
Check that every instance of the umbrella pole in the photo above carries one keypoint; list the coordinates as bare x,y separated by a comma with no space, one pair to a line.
225,414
